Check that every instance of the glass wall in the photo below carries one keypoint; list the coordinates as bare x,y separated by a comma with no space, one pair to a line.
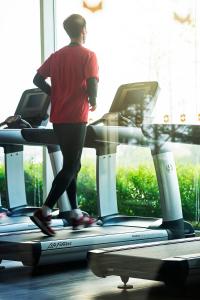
20,56
19,52
134,41
144,40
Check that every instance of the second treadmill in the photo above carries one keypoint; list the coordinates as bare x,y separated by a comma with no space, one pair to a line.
176,262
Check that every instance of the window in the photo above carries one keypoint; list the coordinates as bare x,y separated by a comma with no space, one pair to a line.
20,50
142,41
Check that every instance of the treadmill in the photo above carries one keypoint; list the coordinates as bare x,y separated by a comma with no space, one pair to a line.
175,262
31,112
111,229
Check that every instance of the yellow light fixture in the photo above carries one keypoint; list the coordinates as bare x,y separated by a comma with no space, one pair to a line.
166,118
183,117
93,5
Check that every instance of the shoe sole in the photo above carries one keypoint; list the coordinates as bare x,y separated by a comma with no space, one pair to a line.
81,226
39,224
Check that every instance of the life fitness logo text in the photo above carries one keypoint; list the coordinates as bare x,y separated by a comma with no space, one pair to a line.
169,167
56,245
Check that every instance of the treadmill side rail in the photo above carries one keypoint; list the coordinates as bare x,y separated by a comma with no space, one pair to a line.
150,261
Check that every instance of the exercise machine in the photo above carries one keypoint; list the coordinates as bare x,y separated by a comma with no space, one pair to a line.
175,262
111,229
31,112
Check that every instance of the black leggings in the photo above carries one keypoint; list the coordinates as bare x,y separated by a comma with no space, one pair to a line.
71,138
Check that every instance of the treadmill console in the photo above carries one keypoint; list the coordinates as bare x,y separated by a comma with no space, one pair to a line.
133,104
33,107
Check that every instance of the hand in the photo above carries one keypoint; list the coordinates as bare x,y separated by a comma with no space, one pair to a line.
92,107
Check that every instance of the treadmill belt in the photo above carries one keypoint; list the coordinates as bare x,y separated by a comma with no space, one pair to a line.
35,247
161,251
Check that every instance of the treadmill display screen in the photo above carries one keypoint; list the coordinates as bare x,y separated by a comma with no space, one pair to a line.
34,101
141,94
134,103
33,106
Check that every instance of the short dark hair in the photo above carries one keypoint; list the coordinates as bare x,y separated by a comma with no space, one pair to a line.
74,25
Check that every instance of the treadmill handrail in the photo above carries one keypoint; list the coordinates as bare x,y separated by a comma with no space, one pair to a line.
94,136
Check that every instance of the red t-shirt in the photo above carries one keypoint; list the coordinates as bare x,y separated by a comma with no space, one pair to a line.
68,69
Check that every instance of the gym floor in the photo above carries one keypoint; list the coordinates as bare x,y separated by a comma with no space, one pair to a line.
75,281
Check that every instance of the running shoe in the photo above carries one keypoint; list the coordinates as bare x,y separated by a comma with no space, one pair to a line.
43,222
82,222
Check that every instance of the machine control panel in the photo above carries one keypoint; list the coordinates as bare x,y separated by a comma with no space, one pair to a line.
133,105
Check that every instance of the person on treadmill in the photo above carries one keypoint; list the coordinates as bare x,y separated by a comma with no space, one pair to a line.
73,73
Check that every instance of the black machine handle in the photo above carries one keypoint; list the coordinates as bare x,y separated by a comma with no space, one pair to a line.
16,122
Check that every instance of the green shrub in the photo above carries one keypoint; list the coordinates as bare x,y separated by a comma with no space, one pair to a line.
87,194
137,189
2,185
187,175
33,183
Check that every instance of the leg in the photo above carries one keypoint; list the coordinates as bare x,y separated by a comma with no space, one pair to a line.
71,192
63,181
71,139
71,148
